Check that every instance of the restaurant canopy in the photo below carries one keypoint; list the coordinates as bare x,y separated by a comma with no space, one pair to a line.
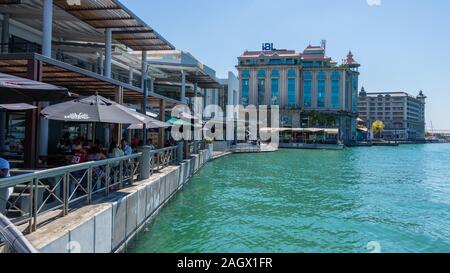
150,124
87,20
17,107
14,89
330,131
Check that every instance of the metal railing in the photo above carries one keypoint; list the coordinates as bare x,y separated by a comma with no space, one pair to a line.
162,158
62,188
65,188
194,147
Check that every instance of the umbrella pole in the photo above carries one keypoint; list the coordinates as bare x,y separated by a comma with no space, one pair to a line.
93,133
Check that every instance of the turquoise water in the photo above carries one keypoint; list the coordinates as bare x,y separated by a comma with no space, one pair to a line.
397,199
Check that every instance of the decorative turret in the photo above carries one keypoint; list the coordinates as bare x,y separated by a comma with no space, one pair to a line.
350,59
421,96
363,92
351,62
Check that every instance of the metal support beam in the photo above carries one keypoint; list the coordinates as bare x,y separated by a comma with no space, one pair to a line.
108,52
183,86
5,34
47,28
47,35
145,93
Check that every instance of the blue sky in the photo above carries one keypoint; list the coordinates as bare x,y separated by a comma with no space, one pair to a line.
402,45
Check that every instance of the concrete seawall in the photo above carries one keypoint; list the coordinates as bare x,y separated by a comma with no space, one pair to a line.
110,222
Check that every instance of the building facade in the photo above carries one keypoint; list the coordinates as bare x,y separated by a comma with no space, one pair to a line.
312,90
402,114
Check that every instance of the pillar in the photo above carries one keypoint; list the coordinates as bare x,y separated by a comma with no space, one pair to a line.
47,21
100,63
183,86
130,76
47,33
5,33
144,93
108,52
118,127
162,115
43,131
31,142
144,163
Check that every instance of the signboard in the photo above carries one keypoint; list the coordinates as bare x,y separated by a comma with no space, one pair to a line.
267,47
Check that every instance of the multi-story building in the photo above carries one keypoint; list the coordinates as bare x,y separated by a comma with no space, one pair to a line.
402,114
311,89
90,47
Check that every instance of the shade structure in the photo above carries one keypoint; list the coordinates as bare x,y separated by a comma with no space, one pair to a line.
177,122
151,124
20,90
94,109
17,107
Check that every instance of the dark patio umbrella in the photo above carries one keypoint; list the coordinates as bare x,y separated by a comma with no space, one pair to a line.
19,90
94,109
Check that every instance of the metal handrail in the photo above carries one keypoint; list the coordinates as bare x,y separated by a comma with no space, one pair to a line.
60,188
15,240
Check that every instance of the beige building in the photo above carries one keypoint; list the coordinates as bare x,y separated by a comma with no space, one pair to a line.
311,89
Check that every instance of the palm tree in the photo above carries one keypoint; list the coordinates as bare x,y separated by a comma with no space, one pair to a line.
378,127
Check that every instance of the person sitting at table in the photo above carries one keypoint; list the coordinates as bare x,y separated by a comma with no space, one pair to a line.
95,154
150,143
135,141
127,150
4,193
115,151
79,154
64,145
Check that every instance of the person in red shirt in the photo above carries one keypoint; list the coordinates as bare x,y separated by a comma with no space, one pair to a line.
79,155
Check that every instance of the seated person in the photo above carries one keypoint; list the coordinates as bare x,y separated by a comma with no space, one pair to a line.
115,151
79,154
127,150
4,193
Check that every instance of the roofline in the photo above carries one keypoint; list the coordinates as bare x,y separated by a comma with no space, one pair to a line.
143,23
39,57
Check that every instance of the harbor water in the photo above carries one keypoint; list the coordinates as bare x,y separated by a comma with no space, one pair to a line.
368,199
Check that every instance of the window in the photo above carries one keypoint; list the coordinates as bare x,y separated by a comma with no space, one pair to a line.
245,92
261,74
275,61
245,74
354,93
275,73
335,89
291,73
275,92
291,92
307,86
261,91
321,89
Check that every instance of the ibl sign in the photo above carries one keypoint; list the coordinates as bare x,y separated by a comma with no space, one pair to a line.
267,47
